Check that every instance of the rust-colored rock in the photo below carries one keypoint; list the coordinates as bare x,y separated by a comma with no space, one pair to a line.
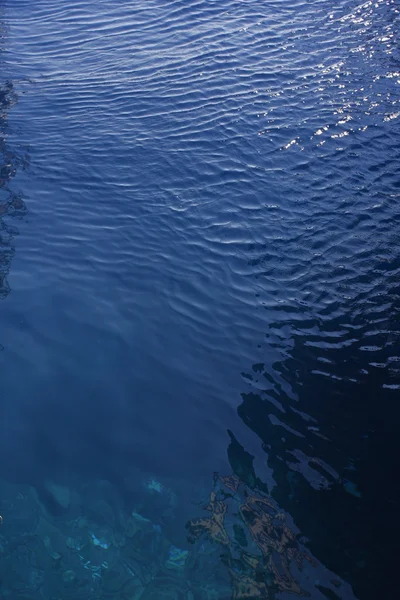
212,526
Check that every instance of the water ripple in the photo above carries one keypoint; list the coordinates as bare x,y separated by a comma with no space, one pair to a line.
212,185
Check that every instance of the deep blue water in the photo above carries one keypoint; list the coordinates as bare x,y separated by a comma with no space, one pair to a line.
200,282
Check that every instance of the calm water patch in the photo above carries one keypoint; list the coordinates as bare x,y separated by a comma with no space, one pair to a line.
199,261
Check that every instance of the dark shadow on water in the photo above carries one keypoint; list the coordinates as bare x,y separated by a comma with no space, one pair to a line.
12,204
261,548
327,417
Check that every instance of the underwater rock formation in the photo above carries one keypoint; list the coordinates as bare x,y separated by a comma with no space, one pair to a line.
244,548
213,526
91,549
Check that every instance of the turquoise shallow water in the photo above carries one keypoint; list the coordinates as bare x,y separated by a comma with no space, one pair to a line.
199,254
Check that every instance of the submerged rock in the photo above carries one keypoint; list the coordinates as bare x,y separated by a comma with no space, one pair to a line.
176,558
99,542
68,576
158,489
73,543
351,488
59,493
47,542
52,538
155,486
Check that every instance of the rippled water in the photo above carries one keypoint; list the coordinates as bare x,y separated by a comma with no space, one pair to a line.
201,309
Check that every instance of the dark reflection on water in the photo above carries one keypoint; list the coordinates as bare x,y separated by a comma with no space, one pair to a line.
326,419
261,548
12,203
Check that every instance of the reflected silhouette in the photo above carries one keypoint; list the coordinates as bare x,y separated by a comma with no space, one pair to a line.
327,416
11,203
262,552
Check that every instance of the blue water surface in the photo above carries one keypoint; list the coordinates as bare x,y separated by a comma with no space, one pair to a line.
199,259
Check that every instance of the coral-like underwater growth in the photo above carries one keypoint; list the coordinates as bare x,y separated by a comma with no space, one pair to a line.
213,526
260,550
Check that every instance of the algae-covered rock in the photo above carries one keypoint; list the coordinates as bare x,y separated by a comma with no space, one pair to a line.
118,539
20,510
101,542
52,538
74,543
23,569
176,558
47,542
135,523
68,576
